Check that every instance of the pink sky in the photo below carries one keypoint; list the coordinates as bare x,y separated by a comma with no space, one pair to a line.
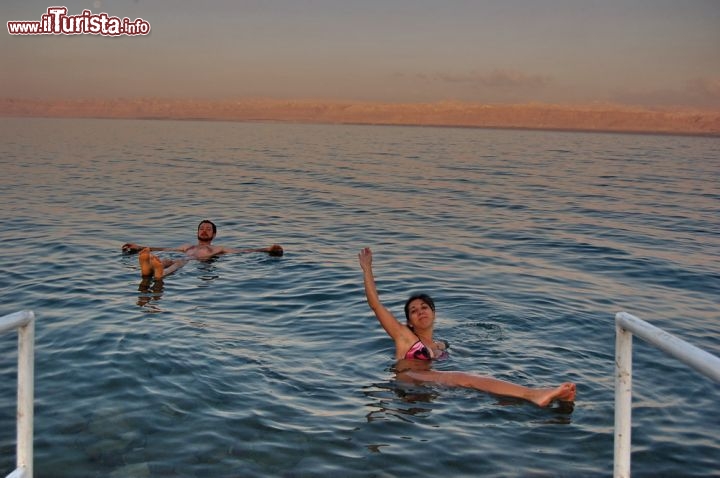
648,53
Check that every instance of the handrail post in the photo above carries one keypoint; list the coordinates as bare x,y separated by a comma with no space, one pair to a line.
623,401
26,396
24,322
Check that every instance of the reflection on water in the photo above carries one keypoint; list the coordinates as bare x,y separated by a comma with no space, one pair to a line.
151,290
397,400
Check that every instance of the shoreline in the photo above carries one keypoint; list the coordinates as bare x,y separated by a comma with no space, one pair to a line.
580,118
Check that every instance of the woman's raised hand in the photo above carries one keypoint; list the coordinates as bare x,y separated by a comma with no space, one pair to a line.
365,258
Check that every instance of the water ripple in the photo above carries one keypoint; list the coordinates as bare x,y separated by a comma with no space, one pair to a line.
249,365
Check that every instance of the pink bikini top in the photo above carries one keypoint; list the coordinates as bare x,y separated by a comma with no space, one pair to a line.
419,352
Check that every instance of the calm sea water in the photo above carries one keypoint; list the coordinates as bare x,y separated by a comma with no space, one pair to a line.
251,366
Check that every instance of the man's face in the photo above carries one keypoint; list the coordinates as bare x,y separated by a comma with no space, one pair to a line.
205,232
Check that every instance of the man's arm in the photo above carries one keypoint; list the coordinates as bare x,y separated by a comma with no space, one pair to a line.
132,248
274,250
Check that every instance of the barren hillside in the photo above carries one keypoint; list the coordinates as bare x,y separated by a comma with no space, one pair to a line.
533,116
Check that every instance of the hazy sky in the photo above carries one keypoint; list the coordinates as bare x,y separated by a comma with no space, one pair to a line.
643,52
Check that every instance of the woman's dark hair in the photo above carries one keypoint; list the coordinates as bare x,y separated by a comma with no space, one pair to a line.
204,221
423,297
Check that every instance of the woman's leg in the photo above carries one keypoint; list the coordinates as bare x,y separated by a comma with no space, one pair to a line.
539,396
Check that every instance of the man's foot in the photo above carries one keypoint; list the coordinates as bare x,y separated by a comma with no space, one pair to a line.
146,267
158,267
543,397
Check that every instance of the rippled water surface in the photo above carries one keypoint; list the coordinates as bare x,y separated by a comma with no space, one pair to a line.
253,366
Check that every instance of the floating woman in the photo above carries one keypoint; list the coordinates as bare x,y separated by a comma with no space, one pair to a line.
414,341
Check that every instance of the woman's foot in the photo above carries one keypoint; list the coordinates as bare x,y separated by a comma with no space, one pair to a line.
543,397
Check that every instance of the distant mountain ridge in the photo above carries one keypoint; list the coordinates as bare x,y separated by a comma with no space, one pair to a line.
607,118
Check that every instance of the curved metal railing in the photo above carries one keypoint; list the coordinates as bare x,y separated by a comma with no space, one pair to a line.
626,326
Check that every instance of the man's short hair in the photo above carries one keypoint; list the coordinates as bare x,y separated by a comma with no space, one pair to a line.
208,221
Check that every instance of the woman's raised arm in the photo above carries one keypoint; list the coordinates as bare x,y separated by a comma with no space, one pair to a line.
388,321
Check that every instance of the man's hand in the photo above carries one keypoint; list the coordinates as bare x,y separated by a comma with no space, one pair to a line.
275,250
131,248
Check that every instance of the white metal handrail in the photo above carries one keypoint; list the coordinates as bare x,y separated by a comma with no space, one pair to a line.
24,322
625,326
